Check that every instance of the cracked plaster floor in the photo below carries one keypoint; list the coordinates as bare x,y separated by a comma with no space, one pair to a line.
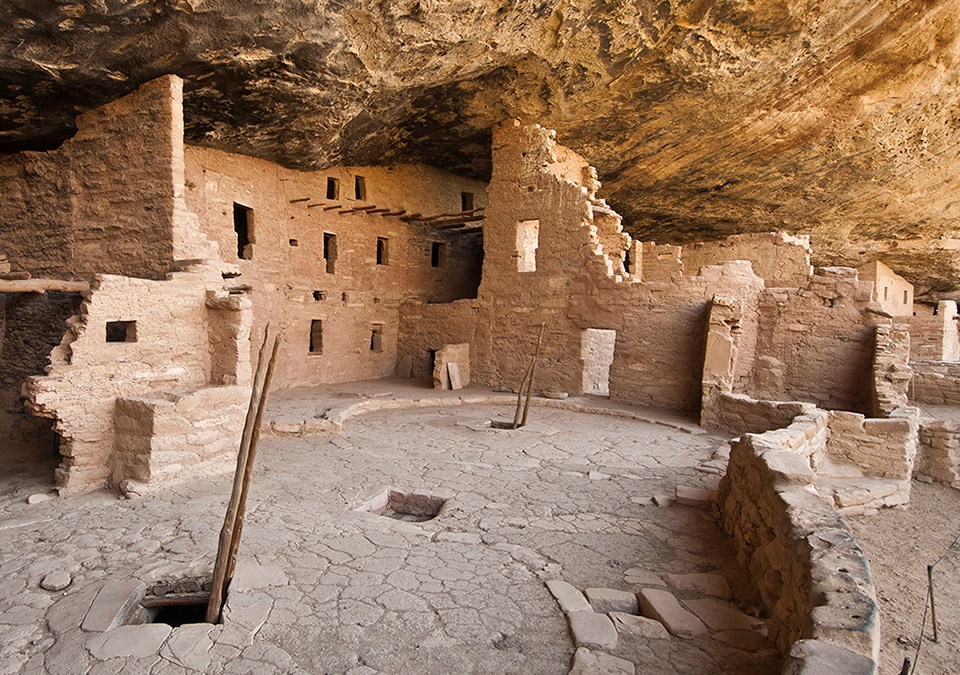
346,589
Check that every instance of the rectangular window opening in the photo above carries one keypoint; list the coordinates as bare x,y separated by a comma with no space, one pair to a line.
438,254
376,337
319,295
466,201
330,251
121,331
382,251
333,188
528,240
242,226
886,292
360,188
294,242
316,336
906,296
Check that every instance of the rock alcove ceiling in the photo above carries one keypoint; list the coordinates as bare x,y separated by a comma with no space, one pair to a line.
704,117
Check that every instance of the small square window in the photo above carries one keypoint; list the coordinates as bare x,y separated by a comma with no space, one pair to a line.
121,331
294,242
382,251
333,188
376,337
319,295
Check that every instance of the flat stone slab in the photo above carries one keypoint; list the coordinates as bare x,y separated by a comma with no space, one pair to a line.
39,497
249,575
568,597
112,604
719,615
189,646
590,629
662,606
127,641
700,583
642,577
586,662
56,581
812,657
694,496
632,624
606,600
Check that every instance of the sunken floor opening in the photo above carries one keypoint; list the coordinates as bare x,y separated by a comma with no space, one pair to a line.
175,603
410,507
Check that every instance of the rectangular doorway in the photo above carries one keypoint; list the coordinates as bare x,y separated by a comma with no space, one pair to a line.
597,349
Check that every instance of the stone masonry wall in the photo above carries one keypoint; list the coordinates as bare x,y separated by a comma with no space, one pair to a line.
103,201
816,343
936,383
164,347
933,332
780,259
891,370
813,577
338,308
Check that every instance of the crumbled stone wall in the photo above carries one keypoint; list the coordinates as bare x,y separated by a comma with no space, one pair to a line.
816,343
291,284
168,351
104,201
891,370
933,332
780,259
812,575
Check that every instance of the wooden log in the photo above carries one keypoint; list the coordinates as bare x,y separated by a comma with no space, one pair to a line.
215,606
525,385
393,214
455,222
248,472
14,276
42,286
331,208
411,217
533,368
459,214
299,199
314,206
469,230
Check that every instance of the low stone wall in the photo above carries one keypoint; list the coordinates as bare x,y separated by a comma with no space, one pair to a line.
156,439
936,382
880,447
812,575
938,457
740,413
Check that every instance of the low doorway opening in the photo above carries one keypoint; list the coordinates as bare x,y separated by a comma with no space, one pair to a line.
597,349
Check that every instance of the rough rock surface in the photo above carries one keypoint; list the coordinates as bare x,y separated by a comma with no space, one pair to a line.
705,117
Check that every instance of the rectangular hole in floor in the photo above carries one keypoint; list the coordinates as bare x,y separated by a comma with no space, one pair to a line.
174,602
410,507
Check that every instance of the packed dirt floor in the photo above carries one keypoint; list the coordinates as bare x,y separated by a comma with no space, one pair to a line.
326,585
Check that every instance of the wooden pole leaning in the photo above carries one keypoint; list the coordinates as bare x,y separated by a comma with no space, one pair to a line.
248,471
525,386
215,604
533,369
